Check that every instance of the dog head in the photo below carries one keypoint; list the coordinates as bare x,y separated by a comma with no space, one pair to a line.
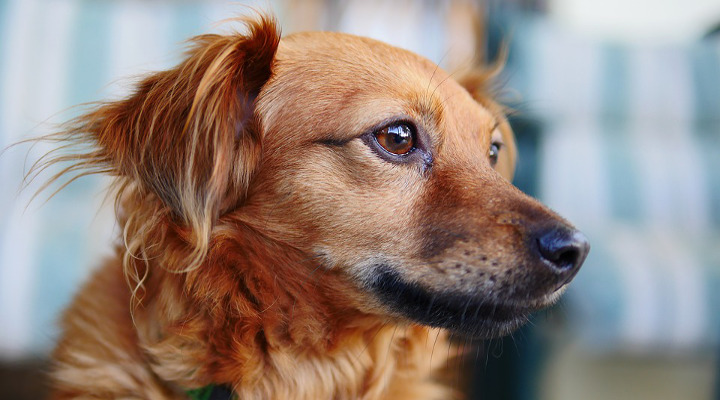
392,172
367,158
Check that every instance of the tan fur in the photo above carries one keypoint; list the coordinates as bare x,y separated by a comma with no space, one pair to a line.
255,218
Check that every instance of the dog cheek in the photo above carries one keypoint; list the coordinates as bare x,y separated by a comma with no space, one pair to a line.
350,203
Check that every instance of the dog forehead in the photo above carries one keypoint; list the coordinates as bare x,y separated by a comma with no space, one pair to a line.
336,65
334,48
341,79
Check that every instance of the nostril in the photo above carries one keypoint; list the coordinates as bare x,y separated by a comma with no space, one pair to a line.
564,249
567,257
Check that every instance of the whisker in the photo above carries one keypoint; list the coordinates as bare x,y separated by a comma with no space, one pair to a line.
462,317
390,343
432,352
372,339
500,345
437,67
487,351
449,347
450,75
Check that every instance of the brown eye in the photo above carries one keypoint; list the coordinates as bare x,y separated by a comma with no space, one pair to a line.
397,139
493,154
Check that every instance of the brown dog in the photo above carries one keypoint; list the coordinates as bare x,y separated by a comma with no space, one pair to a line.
299,217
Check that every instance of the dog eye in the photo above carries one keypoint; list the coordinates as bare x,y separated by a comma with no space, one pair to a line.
493,153
397,139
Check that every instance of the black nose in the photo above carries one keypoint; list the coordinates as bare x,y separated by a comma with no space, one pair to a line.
563,250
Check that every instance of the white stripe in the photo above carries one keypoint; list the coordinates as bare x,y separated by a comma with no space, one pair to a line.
17,246
395,23
216,12
688,180
19,32
139,43
17,275
661,84
642,318
672,188
573,179
567,77
689,313
566,88
654,189
49,89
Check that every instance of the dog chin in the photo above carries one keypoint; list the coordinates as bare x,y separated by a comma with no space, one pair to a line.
466,315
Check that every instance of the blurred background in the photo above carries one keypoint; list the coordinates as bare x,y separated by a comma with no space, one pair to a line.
617,115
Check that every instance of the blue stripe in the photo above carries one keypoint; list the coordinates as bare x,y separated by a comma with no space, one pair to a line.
90,51
615,81
707,254
522,55
63,261
188,20
710,256
4,56
709,148
597,297
618,152
706,82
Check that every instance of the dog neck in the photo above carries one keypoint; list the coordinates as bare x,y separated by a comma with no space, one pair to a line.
259,317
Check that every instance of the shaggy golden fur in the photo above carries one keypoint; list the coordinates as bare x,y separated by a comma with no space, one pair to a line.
270,243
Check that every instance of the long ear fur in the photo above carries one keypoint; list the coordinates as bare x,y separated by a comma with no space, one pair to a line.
186,143
479,83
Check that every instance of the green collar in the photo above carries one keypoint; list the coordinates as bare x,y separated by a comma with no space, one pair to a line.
211,392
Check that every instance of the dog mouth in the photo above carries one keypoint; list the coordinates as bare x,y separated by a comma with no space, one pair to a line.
473,315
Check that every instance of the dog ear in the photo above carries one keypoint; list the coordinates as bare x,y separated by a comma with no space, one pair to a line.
187,137
478,84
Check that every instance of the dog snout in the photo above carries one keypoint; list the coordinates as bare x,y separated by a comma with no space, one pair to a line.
562,250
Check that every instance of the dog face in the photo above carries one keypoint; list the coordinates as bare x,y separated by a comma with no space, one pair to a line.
383,167
369,160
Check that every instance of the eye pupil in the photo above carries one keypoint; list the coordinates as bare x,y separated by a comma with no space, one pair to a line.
493,153
400,133
397,139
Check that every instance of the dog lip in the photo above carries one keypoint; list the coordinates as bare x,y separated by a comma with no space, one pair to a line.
562,285
465,314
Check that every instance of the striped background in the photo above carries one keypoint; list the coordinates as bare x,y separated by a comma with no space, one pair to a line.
629,151
55,54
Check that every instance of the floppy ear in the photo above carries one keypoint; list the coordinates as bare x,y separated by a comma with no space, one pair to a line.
188,137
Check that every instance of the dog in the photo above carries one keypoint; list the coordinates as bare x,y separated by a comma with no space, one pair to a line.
305,218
